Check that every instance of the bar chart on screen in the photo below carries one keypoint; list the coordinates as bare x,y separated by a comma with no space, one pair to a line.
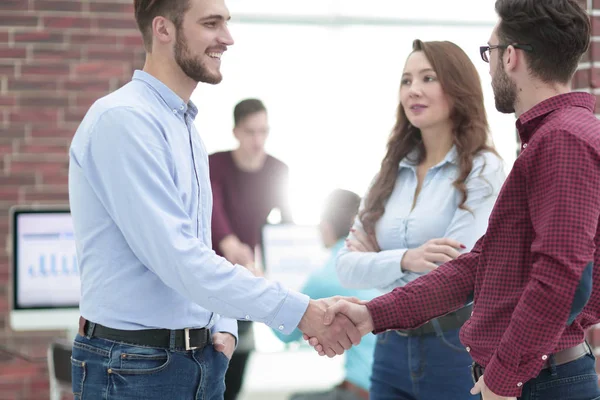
48,270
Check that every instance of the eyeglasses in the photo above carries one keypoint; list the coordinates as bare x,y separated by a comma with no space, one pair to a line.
485,50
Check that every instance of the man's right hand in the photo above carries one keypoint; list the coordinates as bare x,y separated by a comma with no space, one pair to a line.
235,251
429,255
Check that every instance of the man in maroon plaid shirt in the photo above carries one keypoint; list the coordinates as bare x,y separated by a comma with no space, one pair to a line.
530,276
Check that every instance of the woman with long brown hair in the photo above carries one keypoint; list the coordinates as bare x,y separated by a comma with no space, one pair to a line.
430,200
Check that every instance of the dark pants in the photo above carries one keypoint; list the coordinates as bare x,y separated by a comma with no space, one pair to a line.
576,380
235,375
105,369
421,368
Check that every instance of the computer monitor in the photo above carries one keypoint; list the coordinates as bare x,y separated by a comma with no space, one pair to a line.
290,253
45,272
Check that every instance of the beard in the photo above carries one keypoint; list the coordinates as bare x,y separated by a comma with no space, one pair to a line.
505,91
191,65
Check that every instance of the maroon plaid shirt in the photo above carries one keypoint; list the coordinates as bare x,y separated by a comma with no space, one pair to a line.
531,273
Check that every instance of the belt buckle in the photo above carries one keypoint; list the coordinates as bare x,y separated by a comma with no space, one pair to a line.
186,335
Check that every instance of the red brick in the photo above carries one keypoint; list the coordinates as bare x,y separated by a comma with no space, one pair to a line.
117,23
17,179
8,100
99,69
53,193
9,193
45,132
13,5
85,100
7,145
39,100
581,79
9,20
31,84
4,37
87,85
107,54
106,7
47,69
39,37
67,22
7,70
75,114
57,54
12,52
596,4
32,116
58,149
29,166
13,132
58,179
92,38
57,5
23,370
132,41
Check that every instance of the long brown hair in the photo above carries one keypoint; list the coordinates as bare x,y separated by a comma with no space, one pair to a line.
460,82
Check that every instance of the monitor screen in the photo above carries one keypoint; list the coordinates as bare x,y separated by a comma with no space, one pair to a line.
292,252
45,271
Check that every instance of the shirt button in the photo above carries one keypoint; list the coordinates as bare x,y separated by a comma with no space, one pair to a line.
471,313
181,107
544,357
468,349
524,145
281,327
520,384
247,317
174,111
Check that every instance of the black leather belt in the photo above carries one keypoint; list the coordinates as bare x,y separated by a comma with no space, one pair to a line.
188,339
448,322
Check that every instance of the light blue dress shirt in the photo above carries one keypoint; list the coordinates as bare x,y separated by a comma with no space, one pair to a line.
142,203
325,283
435,215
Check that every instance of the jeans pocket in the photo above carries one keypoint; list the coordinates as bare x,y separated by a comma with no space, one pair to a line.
451,340
141,360
77,378
579,387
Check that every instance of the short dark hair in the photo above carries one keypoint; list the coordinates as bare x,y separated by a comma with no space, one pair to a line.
341,207
245,108
146,10
558,31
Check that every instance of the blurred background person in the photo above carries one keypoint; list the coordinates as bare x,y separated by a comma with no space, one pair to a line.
247,184
430,200
339,211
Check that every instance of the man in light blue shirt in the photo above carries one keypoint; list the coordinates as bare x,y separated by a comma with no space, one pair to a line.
152,289
337,218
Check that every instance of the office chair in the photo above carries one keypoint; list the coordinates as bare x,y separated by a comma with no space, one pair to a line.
59,368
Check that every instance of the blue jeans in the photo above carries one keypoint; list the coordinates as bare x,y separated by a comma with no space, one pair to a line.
105,369
421,368
576,380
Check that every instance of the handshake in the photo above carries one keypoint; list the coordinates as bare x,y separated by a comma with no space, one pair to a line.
335,324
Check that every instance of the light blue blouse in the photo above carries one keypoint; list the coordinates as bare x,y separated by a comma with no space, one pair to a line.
435,215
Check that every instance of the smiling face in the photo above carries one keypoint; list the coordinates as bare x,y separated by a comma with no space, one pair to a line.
202,39
421,94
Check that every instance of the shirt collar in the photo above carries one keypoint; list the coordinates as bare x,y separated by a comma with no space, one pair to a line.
171,99
410,160
530,120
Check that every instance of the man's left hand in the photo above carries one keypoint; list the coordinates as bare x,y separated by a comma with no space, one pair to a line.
224,343
486,393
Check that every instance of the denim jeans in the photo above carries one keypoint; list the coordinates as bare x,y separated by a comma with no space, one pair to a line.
421,368
105,369
576,380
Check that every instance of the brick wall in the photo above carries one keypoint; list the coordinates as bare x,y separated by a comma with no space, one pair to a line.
56,58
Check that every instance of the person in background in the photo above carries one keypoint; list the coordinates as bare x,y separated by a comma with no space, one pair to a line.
338,214
430,200
247,184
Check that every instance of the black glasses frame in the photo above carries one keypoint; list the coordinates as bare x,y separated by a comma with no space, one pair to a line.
483,50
